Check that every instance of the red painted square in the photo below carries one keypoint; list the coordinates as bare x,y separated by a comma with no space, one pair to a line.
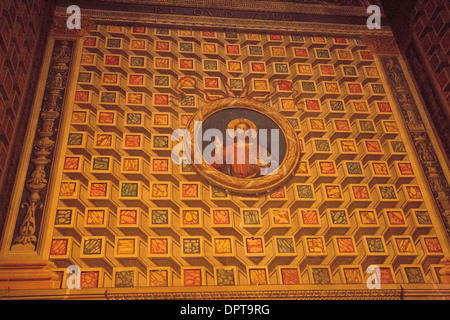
132,141
161,99
112,60
192,277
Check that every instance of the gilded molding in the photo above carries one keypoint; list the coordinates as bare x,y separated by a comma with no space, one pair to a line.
424,148
342,294
44,143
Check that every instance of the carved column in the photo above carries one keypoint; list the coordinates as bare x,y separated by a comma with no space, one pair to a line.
23,261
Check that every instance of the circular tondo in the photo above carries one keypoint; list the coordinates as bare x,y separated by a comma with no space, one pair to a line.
242,145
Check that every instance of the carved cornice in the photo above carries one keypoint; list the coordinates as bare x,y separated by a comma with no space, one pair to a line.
325,7
184,21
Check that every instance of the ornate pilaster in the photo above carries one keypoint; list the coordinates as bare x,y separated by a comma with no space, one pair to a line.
23,261
36,183
33,271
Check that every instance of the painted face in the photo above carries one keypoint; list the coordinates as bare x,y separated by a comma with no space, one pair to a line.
243,126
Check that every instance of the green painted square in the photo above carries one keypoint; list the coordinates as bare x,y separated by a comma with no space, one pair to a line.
266,102
84,77
237,84
92,246
188,101
294,123
231,35
218,192
137,61
321,276
323,54
297,38
63,217
100,163
210,65
285,245
160,217
337,105
414,275
322,145
387,192
375,245
305,192
281,68
378,88
354,168
129,189
108,97
124,279
134,118
423,217
350,71
162,31
191,246
255,50
162,81
338,217
398,146
187,168
75,139
367,126
114,43
251,217
160,142
308,86
225,277
186,47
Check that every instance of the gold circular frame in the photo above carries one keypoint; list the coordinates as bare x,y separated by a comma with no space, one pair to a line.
254,185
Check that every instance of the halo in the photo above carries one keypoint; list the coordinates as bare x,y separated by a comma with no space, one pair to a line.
232,124
249,123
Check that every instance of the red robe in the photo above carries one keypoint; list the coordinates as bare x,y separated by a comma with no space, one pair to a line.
243,170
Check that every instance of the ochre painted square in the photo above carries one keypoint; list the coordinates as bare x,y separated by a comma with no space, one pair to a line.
159,246
192,277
